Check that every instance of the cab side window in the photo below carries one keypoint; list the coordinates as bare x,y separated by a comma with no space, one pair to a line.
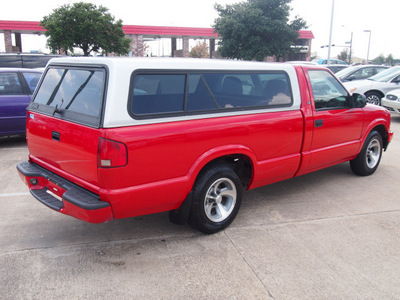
328,92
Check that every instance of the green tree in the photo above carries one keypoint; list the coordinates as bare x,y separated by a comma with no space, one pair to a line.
389,60
200,50
343,55
380,60
85,26
256,28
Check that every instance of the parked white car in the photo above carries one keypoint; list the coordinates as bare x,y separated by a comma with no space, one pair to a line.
377,86
360,72
392,102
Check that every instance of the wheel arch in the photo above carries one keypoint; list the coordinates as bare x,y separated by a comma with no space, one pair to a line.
375,91
374,96
382,130
240,158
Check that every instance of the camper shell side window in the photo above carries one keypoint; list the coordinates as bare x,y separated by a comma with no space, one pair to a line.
162,94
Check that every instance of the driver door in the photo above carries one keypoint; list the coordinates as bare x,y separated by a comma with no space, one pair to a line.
337,123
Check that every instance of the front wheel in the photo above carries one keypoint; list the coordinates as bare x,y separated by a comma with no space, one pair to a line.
373,98
367,161
217,196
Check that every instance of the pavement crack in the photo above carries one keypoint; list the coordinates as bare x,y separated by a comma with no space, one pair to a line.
248,264
100,242
327,218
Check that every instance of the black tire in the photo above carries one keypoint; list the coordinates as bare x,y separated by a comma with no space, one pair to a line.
217,196
367,161
373,98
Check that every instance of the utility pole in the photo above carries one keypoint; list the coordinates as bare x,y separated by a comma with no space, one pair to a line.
351,42
369,43
351,45
330,33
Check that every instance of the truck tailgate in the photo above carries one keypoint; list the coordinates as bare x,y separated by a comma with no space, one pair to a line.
67,148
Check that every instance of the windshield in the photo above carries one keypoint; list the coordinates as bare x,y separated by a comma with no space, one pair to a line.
386,75
345,72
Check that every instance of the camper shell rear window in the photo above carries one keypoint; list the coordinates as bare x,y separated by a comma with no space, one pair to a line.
166,93
74,94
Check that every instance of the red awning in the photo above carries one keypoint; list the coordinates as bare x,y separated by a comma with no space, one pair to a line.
306,34
21,26
169,31
30,27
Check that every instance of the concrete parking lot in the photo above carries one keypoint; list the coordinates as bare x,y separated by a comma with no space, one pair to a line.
325,235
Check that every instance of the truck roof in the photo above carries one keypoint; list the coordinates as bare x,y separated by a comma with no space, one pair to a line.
171,63
119,80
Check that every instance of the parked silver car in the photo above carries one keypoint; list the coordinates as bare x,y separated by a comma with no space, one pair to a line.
359,72
336,68
377,86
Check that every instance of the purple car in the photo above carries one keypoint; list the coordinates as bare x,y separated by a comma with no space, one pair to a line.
16,89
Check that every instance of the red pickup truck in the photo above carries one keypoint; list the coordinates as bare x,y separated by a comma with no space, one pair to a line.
112,138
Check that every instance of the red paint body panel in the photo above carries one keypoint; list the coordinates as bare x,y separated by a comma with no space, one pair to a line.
91,216
375,116
73,157
338,140
164,159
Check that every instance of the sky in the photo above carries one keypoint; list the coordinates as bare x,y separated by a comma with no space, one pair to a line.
349,16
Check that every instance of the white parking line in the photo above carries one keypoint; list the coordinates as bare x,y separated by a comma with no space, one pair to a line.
14,194
15,148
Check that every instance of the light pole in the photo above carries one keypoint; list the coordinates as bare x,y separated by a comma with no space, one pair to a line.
330,33
369,43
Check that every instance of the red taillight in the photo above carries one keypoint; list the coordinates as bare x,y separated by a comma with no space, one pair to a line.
111,154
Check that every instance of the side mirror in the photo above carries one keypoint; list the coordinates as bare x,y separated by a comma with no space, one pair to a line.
359,100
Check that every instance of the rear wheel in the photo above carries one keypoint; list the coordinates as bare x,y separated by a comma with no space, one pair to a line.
370,156
217,196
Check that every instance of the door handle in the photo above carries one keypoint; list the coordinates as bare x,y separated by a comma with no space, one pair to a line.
319,123
55,136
